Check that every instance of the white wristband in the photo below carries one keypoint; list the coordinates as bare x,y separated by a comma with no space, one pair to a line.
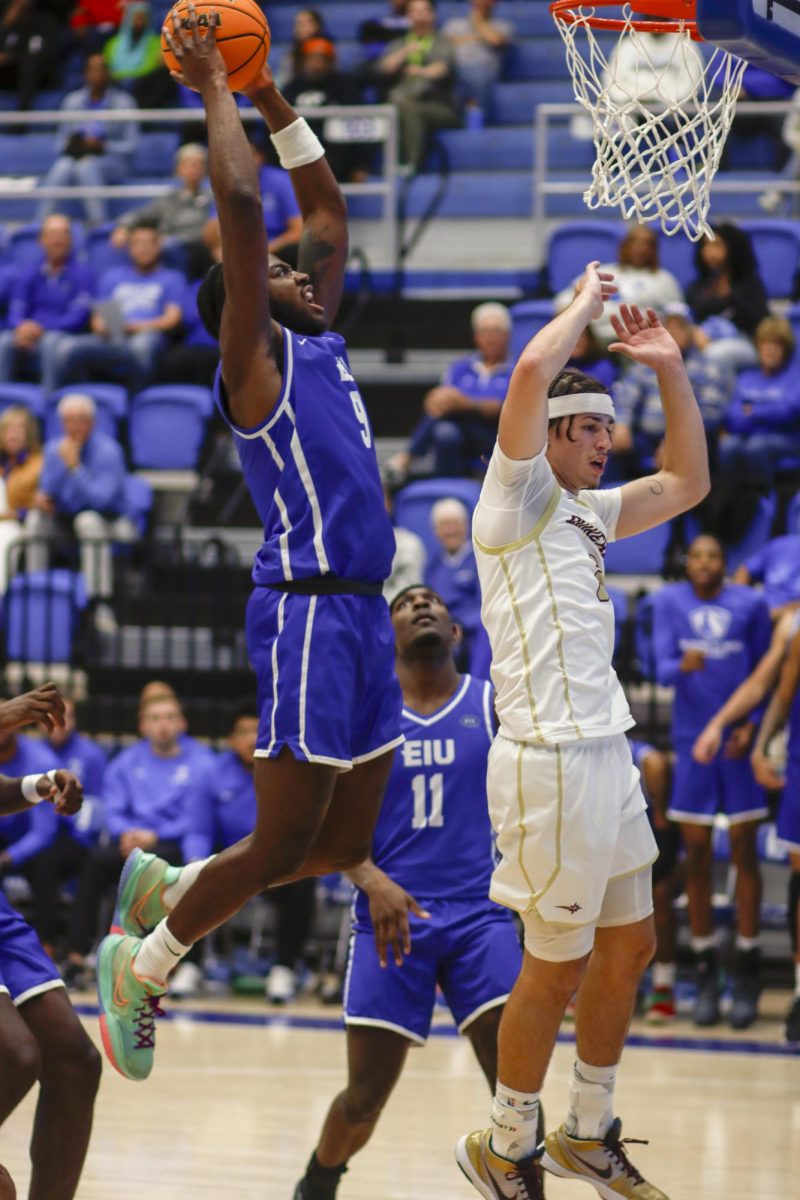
297,145
28,786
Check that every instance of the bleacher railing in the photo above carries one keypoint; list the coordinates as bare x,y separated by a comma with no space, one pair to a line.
342,124
548,116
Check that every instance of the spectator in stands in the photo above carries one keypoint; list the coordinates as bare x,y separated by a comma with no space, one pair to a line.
763,421
20,468
64,858
420,70
308,23
147,793
49,300
317,84
93,21
453,573
181,214
639,279
134,59
29,40
591,358
82,491
140,308
222,812
461,414
408,564
728,286
776,567
282,217
708,636
479,43
375,32
639,428
92,153
25,835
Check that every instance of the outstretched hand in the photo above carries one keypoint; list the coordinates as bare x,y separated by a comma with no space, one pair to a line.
200,60
598,286
43,706
643,338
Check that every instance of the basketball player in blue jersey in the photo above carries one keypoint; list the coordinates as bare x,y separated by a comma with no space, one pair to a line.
318,628
422,916
708,636
41,1038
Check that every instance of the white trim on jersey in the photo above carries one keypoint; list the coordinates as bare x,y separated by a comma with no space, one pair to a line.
40,988
283,540
401,1029
301,736
281,606
487,710
443,712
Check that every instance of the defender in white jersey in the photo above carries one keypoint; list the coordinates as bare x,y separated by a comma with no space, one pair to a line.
564,795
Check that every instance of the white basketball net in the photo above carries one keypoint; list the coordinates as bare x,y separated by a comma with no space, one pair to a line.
661,110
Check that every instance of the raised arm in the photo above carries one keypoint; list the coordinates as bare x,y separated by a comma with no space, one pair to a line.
683,480
323,242
522,432
247,341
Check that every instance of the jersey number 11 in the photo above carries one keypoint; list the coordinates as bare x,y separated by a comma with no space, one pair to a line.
422,818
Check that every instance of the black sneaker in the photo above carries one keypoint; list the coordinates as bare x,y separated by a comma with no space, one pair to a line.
706,1004
746,989
793,1021
319,1183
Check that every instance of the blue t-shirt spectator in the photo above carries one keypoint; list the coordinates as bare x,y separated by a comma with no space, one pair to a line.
638,404
87,760
222,809
59,300
144,790
454,577
26,834
97,484
142,295
766,403
777,567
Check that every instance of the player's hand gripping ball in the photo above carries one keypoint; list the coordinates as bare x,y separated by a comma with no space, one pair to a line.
241,30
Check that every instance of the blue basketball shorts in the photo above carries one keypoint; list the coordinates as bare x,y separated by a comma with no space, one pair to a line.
470,948
325,671
727,785
25,969
787,825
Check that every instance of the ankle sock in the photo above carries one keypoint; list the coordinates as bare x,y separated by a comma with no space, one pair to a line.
514,1122
319,1182
159,954
591,1100
177,890
663,976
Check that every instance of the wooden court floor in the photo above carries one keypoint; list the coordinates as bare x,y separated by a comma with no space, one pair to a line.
234,1106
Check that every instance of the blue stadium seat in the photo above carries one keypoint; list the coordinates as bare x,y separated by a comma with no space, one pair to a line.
469,194
138,501
41,615
27,153
539,59
527,319
756,536
111,400
514,103
642,554
676,254
29,395
414,502
575,244
488,149
155,153
777,249
166,426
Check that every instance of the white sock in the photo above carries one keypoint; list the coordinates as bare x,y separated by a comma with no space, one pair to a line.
663,976
591,1100
797,979
746,943
514,1119
177,890
160,953
701,944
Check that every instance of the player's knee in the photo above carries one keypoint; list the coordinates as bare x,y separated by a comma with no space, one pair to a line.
364,1102
76,1062
698,858
22,1063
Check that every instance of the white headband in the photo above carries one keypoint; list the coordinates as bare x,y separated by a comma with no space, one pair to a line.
581,402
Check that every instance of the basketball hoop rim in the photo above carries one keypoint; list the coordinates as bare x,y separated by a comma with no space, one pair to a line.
565,11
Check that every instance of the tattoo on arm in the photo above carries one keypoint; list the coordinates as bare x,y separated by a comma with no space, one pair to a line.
656,487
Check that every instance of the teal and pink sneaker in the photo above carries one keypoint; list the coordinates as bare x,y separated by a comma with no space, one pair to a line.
140,894
128,1007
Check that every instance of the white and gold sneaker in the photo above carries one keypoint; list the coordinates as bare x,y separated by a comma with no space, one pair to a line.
601,1162
498,1178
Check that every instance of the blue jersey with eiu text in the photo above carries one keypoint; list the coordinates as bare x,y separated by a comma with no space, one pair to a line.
312,471
433,836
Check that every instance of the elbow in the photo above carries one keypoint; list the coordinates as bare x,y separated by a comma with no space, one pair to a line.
241,201
532,367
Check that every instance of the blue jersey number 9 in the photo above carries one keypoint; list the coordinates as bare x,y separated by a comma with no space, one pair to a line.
361,416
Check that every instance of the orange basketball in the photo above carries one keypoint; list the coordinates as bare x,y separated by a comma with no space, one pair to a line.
242,31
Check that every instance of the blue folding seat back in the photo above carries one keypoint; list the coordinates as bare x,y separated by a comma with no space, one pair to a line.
167,425
676,255
578,242
777,249
28,395
413,504
28,153
488,149
111,400
756,536
42,612
527,318
642,554
155,153
100,253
